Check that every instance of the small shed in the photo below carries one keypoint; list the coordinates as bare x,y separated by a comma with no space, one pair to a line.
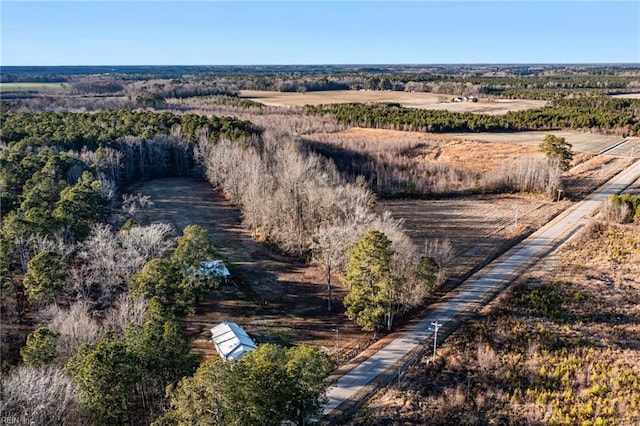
215,267
231,341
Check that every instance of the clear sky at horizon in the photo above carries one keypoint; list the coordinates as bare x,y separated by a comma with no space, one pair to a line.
329,32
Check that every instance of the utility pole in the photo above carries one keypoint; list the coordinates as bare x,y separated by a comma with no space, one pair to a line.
436,325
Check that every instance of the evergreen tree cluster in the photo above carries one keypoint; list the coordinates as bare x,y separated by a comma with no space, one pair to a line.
593,113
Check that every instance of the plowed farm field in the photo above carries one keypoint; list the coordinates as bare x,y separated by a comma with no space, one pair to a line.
407,99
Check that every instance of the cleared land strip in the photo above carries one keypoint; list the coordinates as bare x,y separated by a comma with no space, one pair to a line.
476,291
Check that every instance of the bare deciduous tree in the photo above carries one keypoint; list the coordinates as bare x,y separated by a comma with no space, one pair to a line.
442,252
106,260
40,396
329,250
76,326
126,310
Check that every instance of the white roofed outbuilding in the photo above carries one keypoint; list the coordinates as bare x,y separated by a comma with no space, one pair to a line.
231,341
216,268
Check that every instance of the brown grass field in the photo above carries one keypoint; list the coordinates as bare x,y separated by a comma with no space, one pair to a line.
628,96
478,152
582,142
407,99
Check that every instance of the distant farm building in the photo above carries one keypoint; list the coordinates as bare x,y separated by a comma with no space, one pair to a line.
231,341
465,99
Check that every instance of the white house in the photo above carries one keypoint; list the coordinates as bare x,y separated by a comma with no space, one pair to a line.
231,341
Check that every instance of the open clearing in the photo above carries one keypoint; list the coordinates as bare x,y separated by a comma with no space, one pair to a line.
276,298
478,152
627,96
478,227
406,99
281,300
32,87
581,141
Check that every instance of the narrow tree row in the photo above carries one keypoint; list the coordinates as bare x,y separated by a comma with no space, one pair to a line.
598,113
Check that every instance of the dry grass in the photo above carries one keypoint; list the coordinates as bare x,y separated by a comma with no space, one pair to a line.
477,152
32,87
407,99
627,96
465,152
477,226
563,347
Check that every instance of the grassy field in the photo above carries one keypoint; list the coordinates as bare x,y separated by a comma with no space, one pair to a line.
407,99
32,87
582,142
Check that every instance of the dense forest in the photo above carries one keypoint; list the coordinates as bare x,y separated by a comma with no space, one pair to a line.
109,302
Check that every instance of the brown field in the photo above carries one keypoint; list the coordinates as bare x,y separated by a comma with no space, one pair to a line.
581,141
477,152
453,150
407,99
479,227
32,87
627,96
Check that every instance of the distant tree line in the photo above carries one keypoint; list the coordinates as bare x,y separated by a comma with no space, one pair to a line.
503,82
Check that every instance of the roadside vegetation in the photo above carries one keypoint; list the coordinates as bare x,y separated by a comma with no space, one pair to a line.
560,348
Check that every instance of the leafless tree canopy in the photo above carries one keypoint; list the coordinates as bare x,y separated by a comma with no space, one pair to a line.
107,260
40,396
76,326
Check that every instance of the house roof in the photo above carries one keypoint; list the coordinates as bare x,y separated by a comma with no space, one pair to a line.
214,267
231,341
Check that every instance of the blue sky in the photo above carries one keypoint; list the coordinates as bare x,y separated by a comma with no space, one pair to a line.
328,32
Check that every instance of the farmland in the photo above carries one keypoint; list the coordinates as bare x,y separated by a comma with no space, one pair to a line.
32,87
407,99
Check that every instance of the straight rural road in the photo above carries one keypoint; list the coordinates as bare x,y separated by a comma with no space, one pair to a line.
475,291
